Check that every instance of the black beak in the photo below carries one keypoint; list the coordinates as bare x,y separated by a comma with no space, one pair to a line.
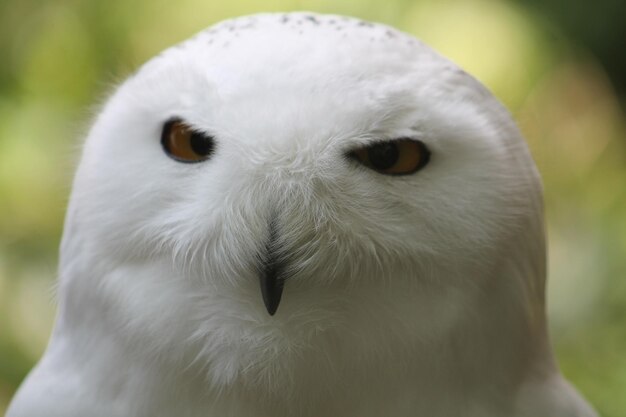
271,287
270,276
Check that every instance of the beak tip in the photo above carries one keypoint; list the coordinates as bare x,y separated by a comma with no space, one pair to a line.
271,309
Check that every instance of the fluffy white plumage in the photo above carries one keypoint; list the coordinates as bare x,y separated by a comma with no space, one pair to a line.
416,295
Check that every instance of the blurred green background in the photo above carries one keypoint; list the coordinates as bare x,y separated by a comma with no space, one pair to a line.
558,65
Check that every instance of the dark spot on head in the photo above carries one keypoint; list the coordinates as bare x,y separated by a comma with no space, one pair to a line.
365,24
390,34
312,19
284,19
248,25
457,70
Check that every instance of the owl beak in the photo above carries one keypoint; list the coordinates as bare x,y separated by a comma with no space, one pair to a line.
271,286
270,276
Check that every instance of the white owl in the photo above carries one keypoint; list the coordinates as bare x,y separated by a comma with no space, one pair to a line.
302,215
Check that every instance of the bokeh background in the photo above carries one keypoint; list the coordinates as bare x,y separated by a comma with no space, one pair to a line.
558,65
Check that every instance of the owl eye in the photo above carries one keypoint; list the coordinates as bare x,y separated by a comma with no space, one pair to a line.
184,144
394,157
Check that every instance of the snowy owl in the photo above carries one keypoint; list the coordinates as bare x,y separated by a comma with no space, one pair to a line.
301,215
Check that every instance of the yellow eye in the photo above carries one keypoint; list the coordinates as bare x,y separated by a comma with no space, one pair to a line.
184,144
394,157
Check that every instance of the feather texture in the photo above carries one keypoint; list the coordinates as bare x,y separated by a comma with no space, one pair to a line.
416,295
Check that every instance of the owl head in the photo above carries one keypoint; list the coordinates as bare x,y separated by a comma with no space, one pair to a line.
288,184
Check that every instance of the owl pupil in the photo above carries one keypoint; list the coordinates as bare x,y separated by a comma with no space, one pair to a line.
383,156
201,144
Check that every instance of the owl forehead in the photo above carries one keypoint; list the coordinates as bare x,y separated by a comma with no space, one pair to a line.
299,33
321,67
295,51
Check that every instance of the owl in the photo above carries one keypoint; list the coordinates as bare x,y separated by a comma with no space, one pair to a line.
301,215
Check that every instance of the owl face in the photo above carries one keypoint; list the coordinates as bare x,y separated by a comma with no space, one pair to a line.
299,165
